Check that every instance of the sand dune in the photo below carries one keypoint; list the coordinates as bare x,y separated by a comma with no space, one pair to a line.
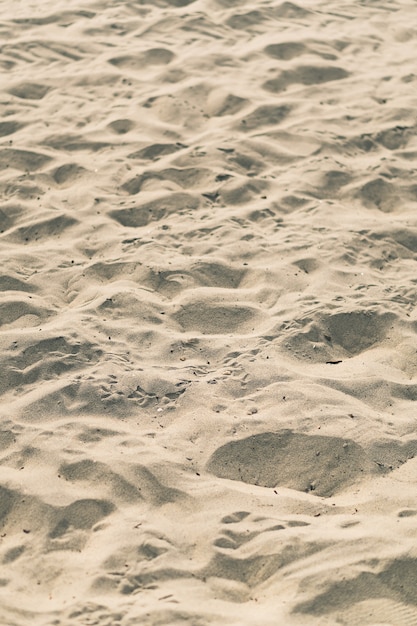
208,334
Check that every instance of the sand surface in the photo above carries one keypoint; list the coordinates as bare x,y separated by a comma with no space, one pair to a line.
208,333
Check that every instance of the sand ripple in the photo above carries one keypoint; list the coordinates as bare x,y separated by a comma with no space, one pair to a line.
207,313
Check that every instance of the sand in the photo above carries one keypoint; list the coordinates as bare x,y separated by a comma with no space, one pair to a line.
208,333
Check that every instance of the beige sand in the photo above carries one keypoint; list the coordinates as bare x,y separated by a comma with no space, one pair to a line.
208,330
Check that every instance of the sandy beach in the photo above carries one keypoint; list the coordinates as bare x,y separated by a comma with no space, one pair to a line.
208,326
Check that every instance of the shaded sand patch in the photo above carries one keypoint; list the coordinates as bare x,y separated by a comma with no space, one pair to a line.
310,463
217,318
393,582
342,335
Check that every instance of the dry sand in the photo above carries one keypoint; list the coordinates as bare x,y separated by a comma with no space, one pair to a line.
208,331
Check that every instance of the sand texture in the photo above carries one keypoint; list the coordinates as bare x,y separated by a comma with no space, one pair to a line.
208,332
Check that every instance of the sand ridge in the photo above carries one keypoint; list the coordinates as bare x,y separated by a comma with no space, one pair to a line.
207,313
